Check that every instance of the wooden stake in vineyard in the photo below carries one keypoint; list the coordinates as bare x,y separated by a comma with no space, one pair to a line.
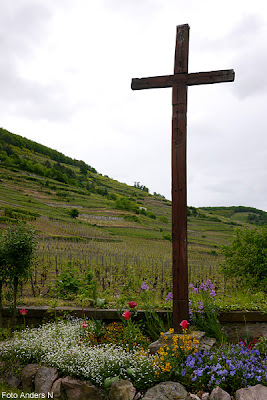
179,82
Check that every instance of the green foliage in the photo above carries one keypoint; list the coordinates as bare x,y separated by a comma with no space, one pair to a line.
71,283
18,249
18,245
254,216
203,310
159,195
9,140
167,236
262,346
246,258
151,215
74,213
124,203
132,218
164,219
141,187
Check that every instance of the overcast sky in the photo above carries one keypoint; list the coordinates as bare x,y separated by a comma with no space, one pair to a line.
65,82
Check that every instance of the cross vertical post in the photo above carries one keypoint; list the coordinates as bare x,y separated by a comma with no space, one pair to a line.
179,82
179,192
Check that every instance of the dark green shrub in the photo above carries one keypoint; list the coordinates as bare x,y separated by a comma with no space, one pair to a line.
18,245
167,236
164,219
74,213
246,258
151,215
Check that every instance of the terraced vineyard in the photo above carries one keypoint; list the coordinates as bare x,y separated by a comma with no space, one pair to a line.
121,233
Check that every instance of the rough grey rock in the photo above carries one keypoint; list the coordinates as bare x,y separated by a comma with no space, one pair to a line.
122,390
167,391
194,396
258,392
44,379
8,376
57,389
12,379
82,390
204,342
28,375
205,396
219,394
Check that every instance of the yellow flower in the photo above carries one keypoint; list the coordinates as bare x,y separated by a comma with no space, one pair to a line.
171,330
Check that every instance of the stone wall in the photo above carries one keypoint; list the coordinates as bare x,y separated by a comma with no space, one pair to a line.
237,325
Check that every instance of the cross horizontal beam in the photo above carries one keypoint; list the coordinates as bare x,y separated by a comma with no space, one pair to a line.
198,78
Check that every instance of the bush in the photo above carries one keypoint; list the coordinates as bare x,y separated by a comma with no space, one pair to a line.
123,203
246,258
164,219
74,213
71,283
151,215
18,245
167,236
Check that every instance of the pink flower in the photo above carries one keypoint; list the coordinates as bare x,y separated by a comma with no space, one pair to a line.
132,304
184,324
23,311
84,325
126,315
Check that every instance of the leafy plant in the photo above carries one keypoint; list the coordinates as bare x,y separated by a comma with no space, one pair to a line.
18,245
74,213
72,283
203,310
246,258
262,346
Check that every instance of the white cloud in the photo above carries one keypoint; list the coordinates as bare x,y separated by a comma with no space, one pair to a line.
65,76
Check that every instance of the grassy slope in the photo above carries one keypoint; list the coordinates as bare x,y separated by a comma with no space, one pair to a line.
114,243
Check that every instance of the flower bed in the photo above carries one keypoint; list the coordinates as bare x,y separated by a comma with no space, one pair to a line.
63,345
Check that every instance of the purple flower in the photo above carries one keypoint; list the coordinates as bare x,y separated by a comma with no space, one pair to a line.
144,286
169,297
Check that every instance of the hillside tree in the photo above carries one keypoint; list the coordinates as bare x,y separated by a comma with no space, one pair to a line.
18,246
246,258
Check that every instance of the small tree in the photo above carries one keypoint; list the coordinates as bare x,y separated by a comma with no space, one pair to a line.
74,213
246,258
3,277
18,249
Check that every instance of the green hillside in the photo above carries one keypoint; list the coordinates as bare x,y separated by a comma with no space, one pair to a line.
122,233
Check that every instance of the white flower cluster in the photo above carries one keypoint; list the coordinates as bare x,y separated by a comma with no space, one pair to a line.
58,345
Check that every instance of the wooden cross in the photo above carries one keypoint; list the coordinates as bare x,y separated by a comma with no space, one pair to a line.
179,82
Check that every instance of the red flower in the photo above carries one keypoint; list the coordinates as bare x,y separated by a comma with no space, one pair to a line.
184,324
132,304
126,315
23,311
84,325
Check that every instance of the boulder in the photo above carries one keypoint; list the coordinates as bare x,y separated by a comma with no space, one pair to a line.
28,375
44,379
7,375
122,390
12,379
219,394
258,392
167,391
57,389
194,396
82,390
